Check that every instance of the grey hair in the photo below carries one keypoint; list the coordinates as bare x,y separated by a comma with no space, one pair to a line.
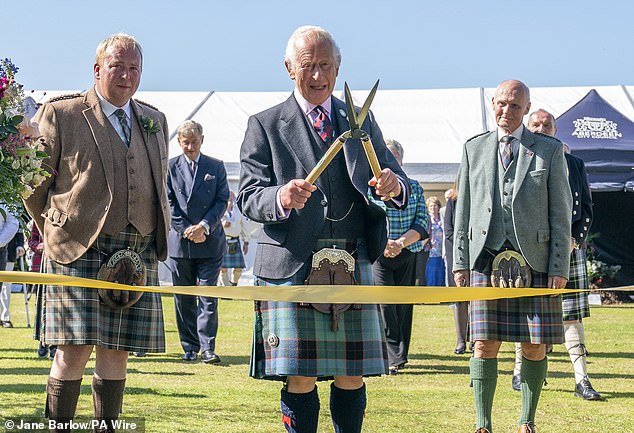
190,127
395,147
120,40
541,110
309,33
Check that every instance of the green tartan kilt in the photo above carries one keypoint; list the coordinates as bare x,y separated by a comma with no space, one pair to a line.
535,319
295,340
575,305
75,315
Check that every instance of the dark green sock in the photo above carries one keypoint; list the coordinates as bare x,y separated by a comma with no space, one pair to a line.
484,375
533,374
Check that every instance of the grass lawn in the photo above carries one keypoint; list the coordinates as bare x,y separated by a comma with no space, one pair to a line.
431,395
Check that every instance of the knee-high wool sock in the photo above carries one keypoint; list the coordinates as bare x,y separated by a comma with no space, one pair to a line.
61,401
484,375
533,375
300,412
347,409
107,398
575,344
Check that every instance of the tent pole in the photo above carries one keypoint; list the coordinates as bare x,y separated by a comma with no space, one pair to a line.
194,111
483,110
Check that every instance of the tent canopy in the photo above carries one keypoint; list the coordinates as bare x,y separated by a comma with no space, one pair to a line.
431,124
604,138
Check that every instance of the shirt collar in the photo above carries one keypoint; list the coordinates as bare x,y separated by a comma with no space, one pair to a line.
307,107
515,134
108,108
189,160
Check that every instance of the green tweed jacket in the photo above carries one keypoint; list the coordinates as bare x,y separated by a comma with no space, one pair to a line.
541,203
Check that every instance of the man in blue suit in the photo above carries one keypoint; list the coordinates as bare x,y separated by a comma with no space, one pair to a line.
198,192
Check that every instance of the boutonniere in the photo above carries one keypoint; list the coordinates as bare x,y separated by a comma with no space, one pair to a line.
149,125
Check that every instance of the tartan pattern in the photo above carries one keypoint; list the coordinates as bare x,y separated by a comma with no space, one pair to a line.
413,216
75,315
535,319
235,260
506,155
575,305
307,344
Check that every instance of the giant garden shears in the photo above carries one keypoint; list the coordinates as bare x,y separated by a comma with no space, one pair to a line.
354,121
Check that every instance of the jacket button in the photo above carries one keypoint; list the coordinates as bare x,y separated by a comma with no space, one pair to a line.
484,232
324,202
574,212
106,208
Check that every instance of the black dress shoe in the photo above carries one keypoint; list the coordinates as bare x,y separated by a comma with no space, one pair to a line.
515,382
139,354
190,355
42,351
584,390
460,350
393,370
7,324
209,357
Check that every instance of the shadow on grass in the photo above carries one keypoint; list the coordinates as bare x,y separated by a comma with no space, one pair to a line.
226,360
86,389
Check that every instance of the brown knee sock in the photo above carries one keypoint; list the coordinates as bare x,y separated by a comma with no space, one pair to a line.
107,398
61,402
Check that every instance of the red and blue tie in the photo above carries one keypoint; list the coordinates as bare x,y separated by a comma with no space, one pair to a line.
322,124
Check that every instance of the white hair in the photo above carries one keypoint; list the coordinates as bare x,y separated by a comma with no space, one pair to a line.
309,33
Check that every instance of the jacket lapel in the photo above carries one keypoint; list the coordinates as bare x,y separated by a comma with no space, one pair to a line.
493,160
525,156
295,134
150,140
103,133
201,170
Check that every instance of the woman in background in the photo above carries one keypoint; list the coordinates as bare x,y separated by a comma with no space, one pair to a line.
435,271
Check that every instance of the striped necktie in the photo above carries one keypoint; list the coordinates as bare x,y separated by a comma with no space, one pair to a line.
506,154
125,126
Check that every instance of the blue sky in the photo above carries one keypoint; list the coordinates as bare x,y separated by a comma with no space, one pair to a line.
239,45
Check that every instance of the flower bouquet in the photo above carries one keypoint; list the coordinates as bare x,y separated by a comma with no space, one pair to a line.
21,163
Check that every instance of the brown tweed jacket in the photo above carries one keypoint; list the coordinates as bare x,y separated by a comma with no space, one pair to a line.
70,208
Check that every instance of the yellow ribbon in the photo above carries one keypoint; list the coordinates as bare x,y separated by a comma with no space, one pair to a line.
316,293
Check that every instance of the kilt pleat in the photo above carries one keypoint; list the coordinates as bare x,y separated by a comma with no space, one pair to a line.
75,315
535,319
294,340
575,305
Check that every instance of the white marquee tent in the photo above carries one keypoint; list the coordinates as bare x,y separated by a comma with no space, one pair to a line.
432,124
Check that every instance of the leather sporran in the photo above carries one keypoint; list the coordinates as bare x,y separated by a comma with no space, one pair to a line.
335,267
123,267
510,269
233,246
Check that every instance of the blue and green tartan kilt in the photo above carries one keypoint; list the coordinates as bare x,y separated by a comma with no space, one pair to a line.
533,319
235,260
295,340
575,305
75,315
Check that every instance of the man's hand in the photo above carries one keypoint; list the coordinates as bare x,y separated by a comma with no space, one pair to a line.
245,248
195,233
461,278
296,193
387,186
19,251
392,249
557,282
226,223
